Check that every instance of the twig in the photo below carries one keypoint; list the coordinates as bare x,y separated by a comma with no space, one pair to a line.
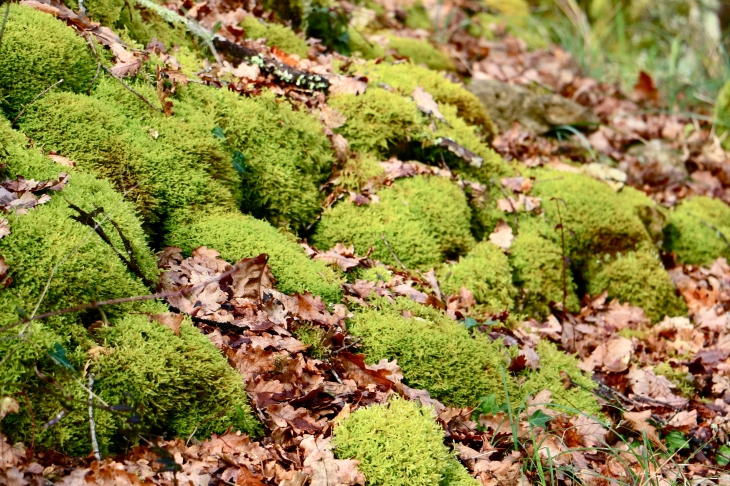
34,100
5,21
393,253
92,424
509,200
129,88
343,348
565,260
98,62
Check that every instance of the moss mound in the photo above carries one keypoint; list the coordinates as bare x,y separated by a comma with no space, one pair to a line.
37,51
423,219
398,443
486,272
276,36
421,52
699,230
238,236
639,278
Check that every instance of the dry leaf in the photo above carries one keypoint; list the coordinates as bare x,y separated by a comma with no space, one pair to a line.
425,103
502,235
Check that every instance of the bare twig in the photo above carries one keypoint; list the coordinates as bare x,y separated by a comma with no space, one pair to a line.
98,62
5,21
129,88
35,99
393,253
92,424
509,200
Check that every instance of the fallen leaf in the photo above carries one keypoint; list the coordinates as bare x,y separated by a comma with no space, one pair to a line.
347,85
425,103
502,235
639,422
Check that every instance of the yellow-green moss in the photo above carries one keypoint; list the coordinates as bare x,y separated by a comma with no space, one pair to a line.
509,7
362,46
637,277
398,443
435,352
699,230
537,262
486,272
276,35
143,25
722,112
421,52
238,236
651,215
423,219
313,337
417,18
37,51
359,170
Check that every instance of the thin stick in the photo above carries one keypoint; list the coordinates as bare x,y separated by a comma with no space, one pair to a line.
5,20
393,253
129,88
35,99
98,63
92,424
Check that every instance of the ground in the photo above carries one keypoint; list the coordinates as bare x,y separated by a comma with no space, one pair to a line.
284,243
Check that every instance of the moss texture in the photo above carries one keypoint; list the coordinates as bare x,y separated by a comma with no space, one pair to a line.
238,236
398,443
537,264
37,51
509,7
423,219
421,52
699,230
486,272
638,278
276,36
722,111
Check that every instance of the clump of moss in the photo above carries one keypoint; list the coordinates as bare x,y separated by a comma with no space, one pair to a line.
276,35
423,219
722,110
651,215
421,52
359,44
359,170
397,443
313,337
537,264
509,7
434,352
486,272
417,18
238,236
37,51
637,277
699,230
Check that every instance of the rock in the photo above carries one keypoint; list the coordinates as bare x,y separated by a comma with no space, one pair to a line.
659,164
537,113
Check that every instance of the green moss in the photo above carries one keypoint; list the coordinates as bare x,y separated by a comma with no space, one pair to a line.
286,155
238,236
722,112
683,380
699,230
276,36
143,25
421,52
358,171
423,220
417,18
509,7
651,215
37,51
107,12
362,46
313,337
486,272
537,262
435,352
638,278
398,443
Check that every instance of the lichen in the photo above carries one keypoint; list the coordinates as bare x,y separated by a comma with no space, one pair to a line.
423,220
37,51
486,272
276,35
398,443
238,236
637,277
699,230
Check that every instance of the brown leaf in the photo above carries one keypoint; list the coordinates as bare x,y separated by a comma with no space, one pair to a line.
639,422
517,184
425,103
61,160
127,64
645,89
173,321
4,228
502,235
8,405
348,85
341,256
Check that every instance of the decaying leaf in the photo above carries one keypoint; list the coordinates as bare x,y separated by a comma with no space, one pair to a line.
502,235
426,103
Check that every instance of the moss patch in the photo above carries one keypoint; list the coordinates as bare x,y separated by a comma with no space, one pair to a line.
421,52
398,443
37,51
238,236
276,36
699,230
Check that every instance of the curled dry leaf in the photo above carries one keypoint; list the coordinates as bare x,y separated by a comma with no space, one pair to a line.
425,103
348,85
502,235
639,421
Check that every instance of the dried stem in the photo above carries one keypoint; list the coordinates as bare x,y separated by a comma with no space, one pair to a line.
129,88
92,424
35,99
393,253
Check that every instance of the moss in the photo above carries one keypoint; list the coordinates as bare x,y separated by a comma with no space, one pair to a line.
397,443
294,11
359,44
238,236
486,272
699,230
358,171
683,380
417,18
421,52
509,7
313,337
537,262
107,12
592,212
37,51
638,278
423,219
143,25
434,352
722,111
651,215
286,155
553,362
377,120
405,77
276,36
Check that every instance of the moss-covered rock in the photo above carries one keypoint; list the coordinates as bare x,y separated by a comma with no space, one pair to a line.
398,443
423,219
699,230
637,277
537,264
238,236
421,52
486,272
276,36
37,51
